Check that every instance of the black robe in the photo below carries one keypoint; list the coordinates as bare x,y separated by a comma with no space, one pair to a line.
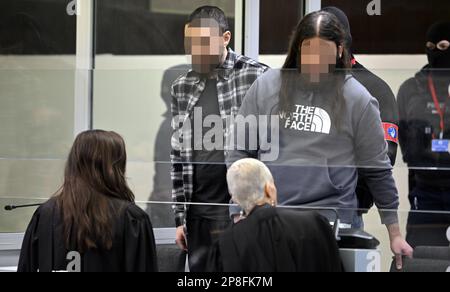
133,247
277,240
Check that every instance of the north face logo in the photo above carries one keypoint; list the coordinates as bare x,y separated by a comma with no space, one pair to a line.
308,119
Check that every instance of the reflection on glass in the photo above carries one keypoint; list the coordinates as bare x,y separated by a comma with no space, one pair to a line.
162,215
33,27
392,32
147,27
204,100
425,140
37,47
132,96
286,14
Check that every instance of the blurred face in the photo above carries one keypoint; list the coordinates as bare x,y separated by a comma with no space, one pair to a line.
205,44
318,58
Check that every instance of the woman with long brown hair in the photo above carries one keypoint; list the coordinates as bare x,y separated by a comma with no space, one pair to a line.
92,224
329,125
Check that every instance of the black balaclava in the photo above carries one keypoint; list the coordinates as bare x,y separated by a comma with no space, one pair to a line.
343,19
439,32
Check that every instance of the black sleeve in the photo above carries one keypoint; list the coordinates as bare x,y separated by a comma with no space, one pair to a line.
388,105
29,255
404,130
392,152
214,263
379,89
140,246
403,119
375,168
389,113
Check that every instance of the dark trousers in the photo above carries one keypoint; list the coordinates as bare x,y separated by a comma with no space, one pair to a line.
426,228
202,234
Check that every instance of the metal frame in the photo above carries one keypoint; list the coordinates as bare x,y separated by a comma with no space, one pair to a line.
85,56
247,24
247,29
251,33
165,236
312,5
11,244
238,26
13,241
252,23
10,241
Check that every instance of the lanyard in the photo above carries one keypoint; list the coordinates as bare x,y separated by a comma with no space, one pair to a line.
440,110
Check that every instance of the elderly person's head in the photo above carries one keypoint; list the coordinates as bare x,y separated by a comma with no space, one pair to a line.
251,184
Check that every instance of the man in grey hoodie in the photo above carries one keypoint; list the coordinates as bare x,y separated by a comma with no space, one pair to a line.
329,127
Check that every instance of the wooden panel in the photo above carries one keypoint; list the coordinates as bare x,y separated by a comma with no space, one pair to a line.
278,20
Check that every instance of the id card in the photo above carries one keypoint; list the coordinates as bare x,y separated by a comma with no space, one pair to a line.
441,146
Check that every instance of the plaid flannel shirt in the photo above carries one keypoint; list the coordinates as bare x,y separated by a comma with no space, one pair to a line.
234,79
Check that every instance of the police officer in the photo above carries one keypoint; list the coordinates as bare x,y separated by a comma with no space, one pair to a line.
424,103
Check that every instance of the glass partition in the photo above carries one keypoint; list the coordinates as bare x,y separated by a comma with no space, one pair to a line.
370,253
321,147
133,84
37,81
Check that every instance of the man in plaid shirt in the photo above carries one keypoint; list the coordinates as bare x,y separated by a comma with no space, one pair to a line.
212,91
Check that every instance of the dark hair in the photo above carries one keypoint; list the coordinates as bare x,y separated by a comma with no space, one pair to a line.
342,17
94,177
330,29
211,12
325,26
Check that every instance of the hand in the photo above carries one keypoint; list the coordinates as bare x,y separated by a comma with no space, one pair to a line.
399,246
181,238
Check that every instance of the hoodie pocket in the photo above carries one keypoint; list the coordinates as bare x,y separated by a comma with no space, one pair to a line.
310,183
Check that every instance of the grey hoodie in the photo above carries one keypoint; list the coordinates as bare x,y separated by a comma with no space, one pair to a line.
318,151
